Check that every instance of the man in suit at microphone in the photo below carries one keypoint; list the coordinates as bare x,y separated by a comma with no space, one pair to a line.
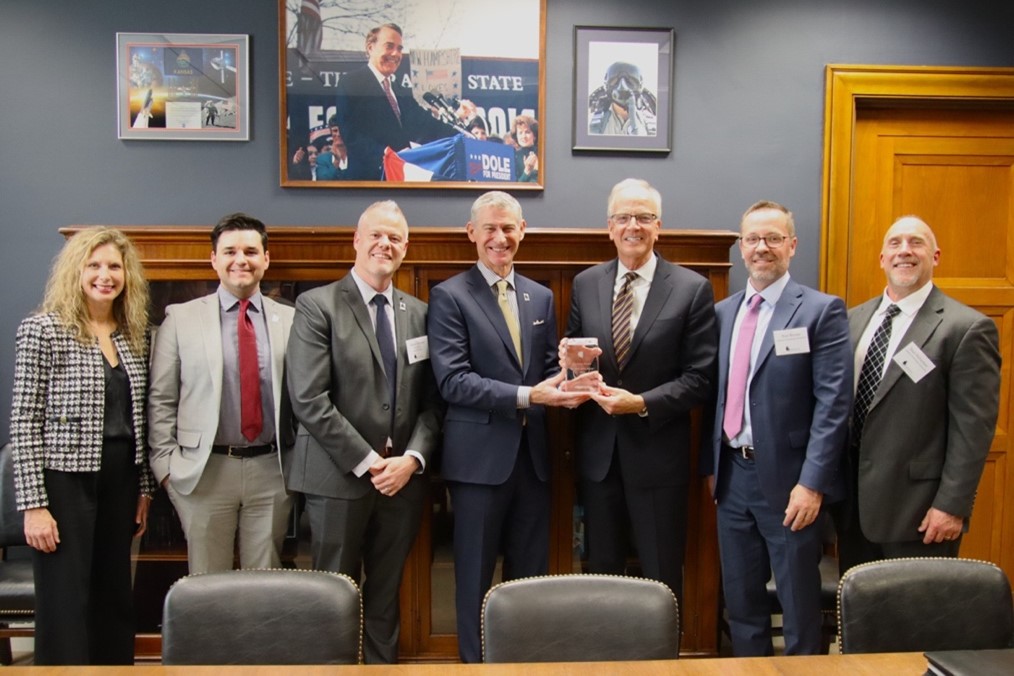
376,110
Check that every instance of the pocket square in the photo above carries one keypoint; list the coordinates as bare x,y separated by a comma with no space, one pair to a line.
538,322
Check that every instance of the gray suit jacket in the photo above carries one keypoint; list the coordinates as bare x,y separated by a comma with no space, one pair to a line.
339,391
924,444
186,387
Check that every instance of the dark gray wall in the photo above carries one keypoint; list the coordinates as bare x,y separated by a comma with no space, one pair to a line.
748,118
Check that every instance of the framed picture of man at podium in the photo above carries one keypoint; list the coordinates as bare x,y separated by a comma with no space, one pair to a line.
411,94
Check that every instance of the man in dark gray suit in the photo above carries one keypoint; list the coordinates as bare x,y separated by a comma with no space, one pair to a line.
657,363
363,392
927,396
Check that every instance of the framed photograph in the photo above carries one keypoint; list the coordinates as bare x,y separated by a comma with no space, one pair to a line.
183,87
409,94
623,89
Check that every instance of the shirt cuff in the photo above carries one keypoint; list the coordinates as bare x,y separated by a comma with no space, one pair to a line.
364,467
417,456
524,396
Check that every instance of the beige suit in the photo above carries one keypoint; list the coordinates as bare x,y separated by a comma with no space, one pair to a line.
184,398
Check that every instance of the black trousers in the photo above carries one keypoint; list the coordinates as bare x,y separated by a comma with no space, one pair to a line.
83,594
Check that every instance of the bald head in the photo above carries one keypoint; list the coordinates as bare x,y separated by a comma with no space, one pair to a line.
908,256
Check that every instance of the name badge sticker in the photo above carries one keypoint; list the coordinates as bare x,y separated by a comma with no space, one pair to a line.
913,362
418,349
791,341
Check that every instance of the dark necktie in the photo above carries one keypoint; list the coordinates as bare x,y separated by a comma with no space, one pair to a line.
385,339
623,306
251,414
386,84
871,371
735,392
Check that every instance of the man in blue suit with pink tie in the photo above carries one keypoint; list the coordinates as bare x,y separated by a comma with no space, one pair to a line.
780,428
493,346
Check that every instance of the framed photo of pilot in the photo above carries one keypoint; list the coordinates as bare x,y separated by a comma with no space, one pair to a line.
183,87
623,81
408,94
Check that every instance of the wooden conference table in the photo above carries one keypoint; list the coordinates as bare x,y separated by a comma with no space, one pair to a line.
825,665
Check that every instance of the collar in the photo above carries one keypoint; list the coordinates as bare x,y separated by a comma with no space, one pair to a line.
645,272
771,294
380,78
228,301
368,292
908,305
492,278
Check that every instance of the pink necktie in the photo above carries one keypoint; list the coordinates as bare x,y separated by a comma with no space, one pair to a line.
735,393
386,84
251,417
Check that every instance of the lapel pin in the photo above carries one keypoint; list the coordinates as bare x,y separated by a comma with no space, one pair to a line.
401,305
525,294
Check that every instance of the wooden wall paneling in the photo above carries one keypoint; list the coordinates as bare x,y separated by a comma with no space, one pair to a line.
551,256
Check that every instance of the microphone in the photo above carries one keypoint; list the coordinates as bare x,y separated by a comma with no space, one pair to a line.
444,111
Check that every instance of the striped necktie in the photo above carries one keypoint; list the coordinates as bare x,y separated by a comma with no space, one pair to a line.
623,307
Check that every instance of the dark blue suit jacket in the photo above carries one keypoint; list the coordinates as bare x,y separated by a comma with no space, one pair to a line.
478,375
799,403
368,124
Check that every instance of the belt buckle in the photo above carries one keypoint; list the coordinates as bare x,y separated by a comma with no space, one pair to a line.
746,452
230,451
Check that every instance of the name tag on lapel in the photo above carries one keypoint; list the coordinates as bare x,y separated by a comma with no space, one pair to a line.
417,349
791,341
913,362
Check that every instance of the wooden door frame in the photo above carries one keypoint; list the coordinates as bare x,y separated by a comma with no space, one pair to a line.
847,87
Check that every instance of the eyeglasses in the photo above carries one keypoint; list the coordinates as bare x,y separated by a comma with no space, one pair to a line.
642,219
772,241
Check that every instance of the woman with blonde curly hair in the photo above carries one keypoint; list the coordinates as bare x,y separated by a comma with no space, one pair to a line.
77,432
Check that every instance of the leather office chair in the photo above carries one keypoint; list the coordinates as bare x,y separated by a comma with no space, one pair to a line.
579,618
914,605
17,581
277,616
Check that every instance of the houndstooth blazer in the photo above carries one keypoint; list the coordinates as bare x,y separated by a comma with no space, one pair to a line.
58,409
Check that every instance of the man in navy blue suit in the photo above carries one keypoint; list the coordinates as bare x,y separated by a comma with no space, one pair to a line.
493,346
780,428
376,112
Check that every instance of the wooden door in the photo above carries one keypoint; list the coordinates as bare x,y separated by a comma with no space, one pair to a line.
950,162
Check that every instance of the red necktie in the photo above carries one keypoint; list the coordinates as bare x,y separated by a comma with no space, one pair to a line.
386,84
251,417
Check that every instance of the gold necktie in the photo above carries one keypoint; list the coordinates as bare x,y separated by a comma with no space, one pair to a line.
508,315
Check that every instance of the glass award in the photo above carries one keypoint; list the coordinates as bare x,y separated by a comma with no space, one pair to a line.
582,360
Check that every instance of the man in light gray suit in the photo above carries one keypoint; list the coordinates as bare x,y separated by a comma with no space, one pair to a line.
928,382
365,397
217,412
